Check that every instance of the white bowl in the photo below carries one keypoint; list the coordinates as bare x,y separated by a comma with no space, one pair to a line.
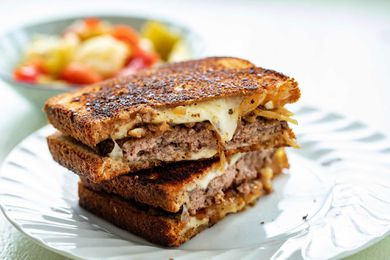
13,43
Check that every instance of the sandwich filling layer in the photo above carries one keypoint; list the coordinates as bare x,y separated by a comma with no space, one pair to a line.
224,116
184,144
191,186
197,141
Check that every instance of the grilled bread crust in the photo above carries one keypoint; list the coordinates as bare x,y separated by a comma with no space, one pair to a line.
164,229
91,114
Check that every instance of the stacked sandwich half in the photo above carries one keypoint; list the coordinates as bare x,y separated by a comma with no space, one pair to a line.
172,150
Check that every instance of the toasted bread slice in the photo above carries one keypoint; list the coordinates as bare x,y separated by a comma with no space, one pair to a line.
83,161
152,151
163,228
193,185
220,90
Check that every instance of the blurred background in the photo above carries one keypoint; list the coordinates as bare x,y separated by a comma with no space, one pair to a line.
339,51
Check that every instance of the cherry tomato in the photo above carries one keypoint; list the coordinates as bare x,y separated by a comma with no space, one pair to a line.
29,72
149,58
134,65
126,34
79,73
92,22
140,60
26,73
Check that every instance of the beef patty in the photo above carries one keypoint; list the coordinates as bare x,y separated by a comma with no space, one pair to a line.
199,141
182,185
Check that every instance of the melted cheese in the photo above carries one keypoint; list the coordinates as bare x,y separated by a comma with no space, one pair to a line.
116,153
203,154
194,222
223,114
121,131
213,173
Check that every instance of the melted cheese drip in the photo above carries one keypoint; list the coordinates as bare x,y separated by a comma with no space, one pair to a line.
223,114
116,153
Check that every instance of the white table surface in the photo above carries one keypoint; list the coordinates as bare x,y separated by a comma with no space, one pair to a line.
338,51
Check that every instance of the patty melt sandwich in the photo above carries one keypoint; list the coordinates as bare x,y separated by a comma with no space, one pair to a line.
172,150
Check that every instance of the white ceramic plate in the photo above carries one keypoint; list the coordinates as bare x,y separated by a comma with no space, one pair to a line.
335,200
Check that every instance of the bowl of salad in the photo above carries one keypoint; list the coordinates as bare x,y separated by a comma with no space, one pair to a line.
47,58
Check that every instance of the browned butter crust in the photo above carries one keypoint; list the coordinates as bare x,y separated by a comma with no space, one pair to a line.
160,228
90,114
